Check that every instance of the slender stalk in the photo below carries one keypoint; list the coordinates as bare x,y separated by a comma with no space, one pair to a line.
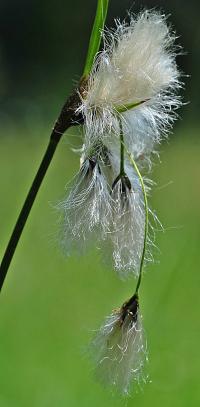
66,119
132,161
21,221
122,171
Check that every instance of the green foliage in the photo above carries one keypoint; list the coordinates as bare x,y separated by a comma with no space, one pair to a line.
95,38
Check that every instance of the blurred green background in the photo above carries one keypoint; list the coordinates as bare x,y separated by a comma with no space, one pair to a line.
49,305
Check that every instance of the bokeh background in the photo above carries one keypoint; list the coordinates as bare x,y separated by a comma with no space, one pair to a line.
49,305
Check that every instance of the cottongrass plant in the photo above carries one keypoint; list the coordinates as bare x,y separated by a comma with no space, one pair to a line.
126,101
131,101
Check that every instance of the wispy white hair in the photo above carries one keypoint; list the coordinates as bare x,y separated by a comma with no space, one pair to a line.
86,208
119,350
109,216
137,65
127,225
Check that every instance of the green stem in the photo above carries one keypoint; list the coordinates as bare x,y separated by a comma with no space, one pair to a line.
146,220
95,38
66,119
122,171
132,161
28,203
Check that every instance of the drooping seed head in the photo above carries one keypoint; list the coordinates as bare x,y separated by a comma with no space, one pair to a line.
119,348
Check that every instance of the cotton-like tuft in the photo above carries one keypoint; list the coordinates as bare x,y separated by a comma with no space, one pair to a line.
119,349
127,225
137,65
86,208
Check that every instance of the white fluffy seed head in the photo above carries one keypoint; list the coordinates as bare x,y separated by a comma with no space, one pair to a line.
127,226
123,243
137,64
119,349
86,208
110,216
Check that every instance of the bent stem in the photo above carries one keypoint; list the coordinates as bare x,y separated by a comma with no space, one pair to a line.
122,172
132,161
145,223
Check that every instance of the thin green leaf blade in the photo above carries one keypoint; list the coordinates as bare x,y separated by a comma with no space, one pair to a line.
95,38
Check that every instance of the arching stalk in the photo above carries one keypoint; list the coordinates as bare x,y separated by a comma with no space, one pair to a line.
134,165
